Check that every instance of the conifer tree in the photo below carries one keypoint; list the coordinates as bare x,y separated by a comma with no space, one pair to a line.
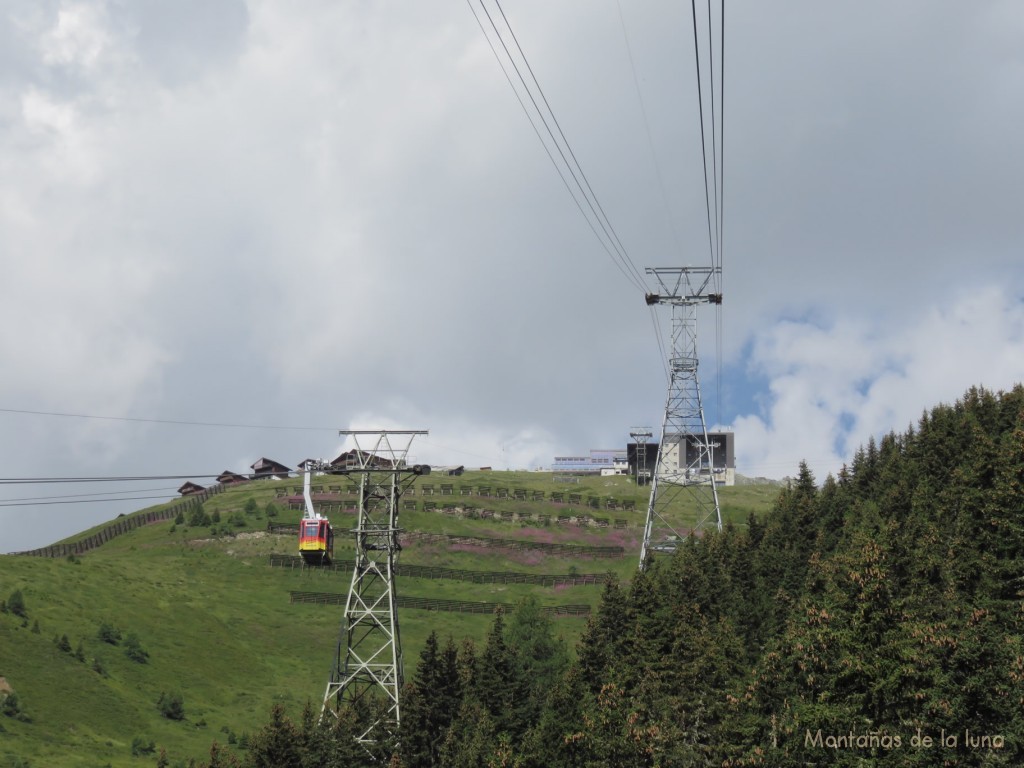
603,638
219,758
540,658
550,742
472,737
431,702
498,686
276,744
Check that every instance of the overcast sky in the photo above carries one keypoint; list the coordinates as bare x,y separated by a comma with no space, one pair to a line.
336,215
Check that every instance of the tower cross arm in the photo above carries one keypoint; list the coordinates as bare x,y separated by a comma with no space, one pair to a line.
683,285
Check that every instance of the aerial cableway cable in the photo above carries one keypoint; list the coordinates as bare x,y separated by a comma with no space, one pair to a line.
703,141
593,228
721,193
194,423
714,186
580,186
593,196
222,425
114,479
721,140
106,497
4,503
110,494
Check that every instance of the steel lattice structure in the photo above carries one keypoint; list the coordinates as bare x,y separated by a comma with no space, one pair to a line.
685,465
368,672
640,436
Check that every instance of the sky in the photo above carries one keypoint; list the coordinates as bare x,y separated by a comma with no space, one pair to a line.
290,219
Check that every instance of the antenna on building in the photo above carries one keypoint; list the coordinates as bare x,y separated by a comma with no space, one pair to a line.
684,471
641,436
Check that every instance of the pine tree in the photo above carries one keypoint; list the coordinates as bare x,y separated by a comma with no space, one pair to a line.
550,742
540,659
472,737
331,742
220,759
603,639
276,744
498,686
431,702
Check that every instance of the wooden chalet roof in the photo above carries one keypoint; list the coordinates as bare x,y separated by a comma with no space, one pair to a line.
227,477
265,466
189,488
350,459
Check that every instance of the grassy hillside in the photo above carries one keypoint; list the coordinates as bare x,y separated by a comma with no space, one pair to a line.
216,621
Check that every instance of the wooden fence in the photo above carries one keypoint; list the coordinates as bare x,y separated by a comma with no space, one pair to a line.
431,604
565,550
294,495
455,574
124,525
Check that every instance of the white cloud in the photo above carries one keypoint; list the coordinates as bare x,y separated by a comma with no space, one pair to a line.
834,387
79,37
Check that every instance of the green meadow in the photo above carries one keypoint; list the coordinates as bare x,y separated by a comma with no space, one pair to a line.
217,628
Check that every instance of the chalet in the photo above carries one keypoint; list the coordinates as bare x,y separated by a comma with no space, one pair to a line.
351,460
190,488
265,469
227,477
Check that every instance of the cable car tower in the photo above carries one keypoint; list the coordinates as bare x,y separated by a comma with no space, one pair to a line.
685,463
367,673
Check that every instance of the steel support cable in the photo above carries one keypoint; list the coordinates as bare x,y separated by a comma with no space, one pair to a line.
604,242
661,345
124,479
84,495
81,501
721,147
161,421
172,422
620,256
721,192
714,151
703,142
568,146
718,166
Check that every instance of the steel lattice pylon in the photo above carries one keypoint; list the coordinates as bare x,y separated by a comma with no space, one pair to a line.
685,463
367,671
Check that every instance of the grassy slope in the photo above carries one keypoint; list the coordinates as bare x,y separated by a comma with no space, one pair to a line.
217,624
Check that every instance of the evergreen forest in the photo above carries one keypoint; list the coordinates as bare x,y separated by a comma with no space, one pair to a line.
874,618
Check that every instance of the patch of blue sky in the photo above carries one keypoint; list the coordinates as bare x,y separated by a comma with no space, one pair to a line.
844,426
744,391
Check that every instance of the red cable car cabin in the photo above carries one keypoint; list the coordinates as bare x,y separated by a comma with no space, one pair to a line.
316,541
